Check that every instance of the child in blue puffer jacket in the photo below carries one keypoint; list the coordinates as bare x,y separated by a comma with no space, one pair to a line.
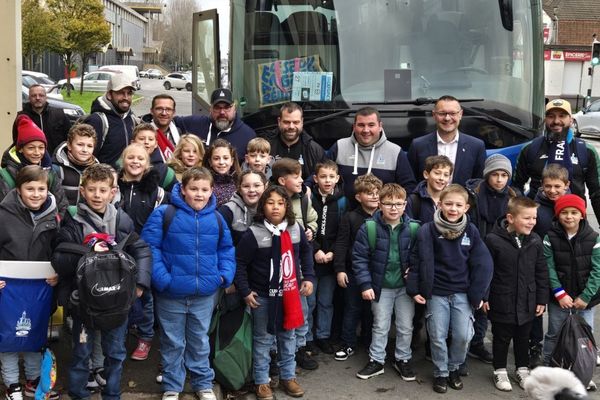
193,256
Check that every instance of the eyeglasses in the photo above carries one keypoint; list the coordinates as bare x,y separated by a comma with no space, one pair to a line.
389,206
450,114
164,110
222,108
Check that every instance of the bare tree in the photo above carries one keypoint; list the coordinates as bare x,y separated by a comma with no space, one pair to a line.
177,45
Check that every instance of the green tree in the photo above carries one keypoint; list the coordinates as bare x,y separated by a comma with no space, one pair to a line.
81,29
36,30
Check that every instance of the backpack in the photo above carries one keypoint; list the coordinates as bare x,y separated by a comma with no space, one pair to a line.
575,348
372,233
230,335
11,183
104,119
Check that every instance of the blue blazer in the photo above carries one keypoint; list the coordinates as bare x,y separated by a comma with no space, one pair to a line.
470,156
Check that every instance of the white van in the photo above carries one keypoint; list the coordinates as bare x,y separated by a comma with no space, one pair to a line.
130,70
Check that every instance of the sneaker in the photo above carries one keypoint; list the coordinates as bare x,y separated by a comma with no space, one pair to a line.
480,352
99,376
159,376
325,346
440,384
141,351
501,380
454,380
291,387
405,370
206,394
373,368
521,374
263,392
598,360
13,392
343,353
463,369
170,396
535,356
304,359
31,387
311,348
92,385
591,387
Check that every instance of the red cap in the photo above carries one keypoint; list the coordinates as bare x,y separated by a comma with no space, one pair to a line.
28,131
569,200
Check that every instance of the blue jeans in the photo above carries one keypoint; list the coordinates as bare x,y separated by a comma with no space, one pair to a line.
392,301
10,366
556,317
262,342
324,288
353,310
184,341
304,333
113,347
445,314
146,325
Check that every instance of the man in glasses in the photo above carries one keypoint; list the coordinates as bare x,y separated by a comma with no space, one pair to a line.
466,152
162,113
222,122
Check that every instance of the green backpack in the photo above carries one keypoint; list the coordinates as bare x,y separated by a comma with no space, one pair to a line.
372,232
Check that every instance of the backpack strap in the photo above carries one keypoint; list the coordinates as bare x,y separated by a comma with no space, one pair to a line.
342,204
168,218
582,154
304,209
220,223
7,177
413,226
160,196
169,177
72,210
104,120
415,204
371,234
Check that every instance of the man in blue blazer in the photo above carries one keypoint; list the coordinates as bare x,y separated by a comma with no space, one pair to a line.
467,153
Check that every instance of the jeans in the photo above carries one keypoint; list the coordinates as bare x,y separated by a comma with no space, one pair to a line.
304,333
113,347
503,334
353,310
146,325
97,358
262,342
184,341
480,326
392,301
444,314
324,289
556,317
10,366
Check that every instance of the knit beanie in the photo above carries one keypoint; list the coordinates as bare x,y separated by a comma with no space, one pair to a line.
496,162
569,200
28,131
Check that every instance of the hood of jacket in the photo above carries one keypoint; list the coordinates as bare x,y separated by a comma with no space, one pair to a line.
61,157
358,148
102,104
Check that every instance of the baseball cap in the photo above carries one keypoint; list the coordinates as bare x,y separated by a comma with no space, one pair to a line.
560,104
119,81
221,95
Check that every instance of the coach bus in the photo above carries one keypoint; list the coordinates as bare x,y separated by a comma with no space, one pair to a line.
336,56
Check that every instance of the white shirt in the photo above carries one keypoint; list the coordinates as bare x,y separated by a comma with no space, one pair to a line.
447,149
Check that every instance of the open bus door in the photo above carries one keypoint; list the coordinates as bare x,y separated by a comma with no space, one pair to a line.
206,75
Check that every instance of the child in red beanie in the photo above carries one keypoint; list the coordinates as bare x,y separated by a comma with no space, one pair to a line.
573,256
30,149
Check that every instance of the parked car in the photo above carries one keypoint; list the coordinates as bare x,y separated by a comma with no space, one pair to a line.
73,111
92,82
143,73
587,120
178,81
131,71
52,90
155,74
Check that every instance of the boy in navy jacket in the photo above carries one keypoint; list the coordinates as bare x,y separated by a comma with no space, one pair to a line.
422,202
451,278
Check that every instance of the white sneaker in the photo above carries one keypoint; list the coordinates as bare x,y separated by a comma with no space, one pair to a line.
522,374
206,394
501,380
597,359
170,396
591,387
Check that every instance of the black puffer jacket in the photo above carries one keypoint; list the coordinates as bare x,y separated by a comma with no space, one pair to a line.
520,280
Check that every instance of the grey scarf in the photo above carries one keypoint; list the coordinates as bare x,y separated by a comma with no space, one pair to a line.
449,230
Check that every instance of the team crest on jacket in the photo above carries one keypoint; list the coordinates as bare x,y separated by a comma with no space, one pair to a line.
380,160
465,241
23,325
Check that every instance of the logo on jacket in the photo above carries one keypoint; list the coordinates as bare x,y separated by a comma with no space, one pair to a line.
23,325
465,241
380,160
287,265
100,291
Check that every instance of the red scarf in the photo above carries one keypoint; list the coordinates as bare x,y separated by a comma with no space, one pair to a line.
165,145
292,307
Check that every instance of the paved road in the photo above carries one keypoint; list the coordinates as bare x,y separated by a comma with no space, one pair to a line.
152,87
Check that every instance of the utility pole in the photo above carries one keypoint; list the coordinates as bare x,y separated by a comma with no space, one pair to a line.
594,61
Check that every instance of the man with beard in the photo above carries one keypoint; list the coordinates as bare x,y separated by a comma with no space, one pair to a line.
467,153
558,145
162,113
113,119
289,140
52,121
223,123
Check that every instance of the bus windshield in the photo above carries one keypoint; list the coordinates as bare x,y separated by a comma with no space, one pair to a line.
333,55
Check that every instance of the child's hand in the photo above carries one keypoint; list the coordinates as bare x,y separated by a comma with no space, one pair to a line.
419,299
230,289
306,288
368,294
579,304
309,234
139,292
100,247
320,257
342,279
53,280
566,302
486,307
329,257
251,300
539,309
2,284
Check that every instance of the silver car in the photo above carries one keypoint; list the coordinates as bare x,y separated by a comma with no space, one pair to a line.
92,82
587,121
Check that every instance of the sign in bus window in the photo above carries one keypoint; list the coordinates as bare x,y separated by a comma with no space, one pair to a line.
312,86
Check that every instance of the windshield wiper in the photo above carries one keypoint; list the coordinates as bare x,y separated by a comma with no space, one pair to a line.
505,124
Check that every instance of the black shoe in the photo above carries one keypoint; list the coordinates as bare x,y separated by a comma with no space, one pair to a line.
463,369
344,352
454,380
373,368
440,384
480,352
535,356
311,348
325,346
304,360
405,370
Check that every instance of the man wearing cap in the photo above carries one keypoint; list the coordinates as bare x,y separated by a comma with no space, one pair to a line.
558,145
113,119
223,122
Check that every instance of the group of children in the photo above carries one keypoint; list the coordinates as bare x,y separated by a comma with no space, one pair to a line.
201,222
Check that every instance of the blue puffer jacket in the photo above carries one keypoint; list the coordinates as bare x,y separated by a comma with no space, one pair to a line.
369,268
190,260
